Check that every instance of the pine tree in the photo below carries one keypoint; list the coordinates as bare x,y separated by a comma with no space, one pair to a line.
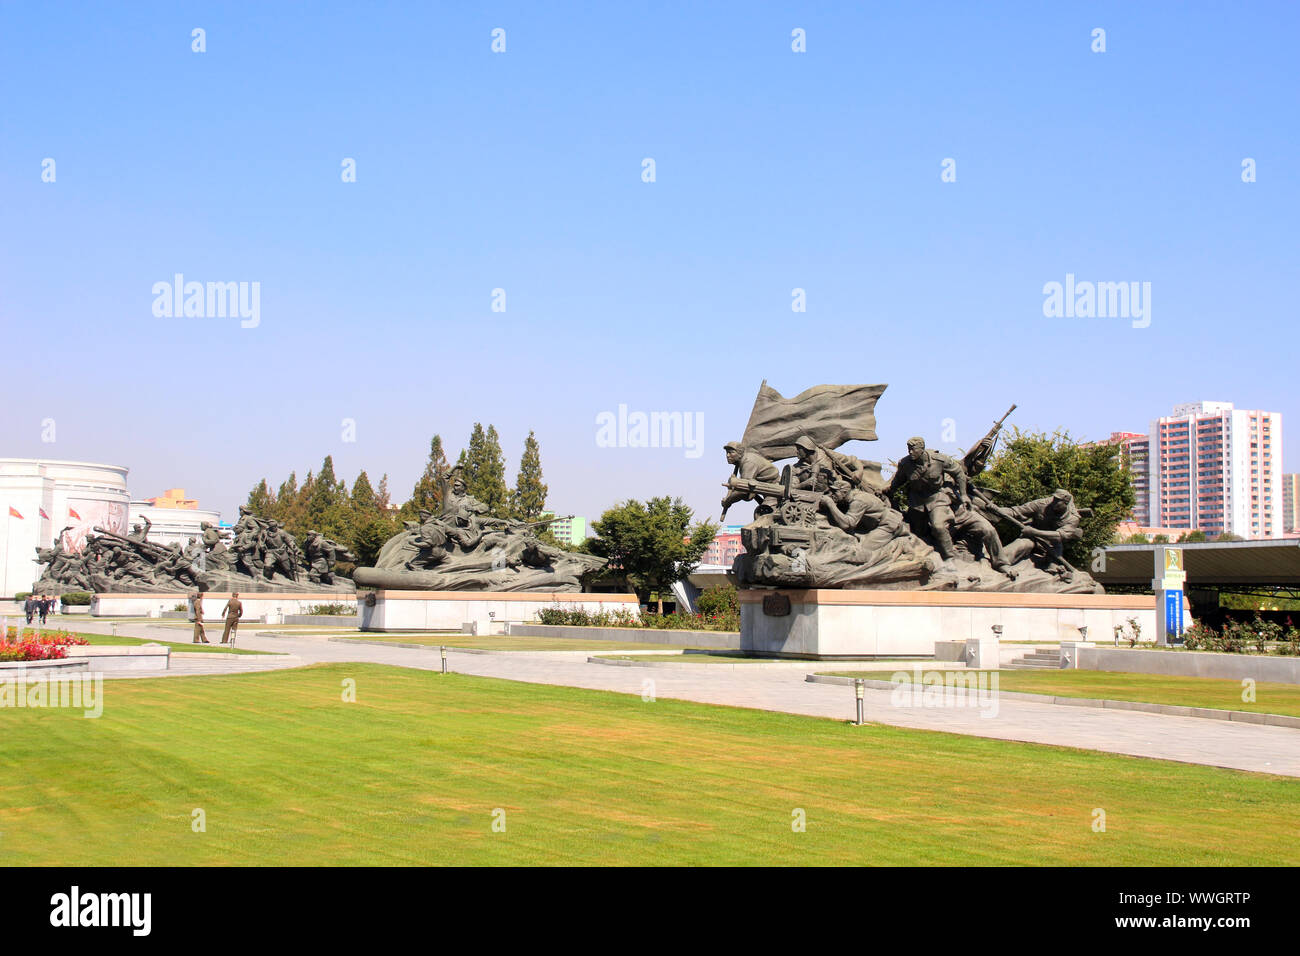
485,471
364,501
286,499
261,501
528,500
471,457
372,523
325,493
427,494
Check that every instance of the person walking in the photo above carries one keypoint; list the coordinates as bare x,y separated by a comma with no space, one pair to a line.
29,608
233,611
200,637
43,606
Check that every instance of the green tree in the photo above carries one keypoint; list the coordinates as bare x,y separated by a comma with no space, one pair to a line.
652,545
326,492
1229,536
1193,537
485,470
363,497
288,503
372,522
261,500
427,494
1034,464
528,500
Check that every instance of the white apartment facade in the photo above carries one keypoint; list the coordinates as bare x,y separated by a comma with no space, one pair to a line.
1218,469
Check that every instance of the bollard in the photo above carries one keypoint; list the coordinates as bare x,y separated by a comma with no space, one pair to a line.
860,692
444,659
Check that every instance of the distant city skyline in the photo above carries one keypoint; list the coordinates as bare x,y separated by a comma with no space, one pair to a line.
397,231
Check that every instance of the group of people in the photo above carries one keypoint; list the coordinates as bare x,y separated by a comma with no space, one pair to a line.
232,612
39,606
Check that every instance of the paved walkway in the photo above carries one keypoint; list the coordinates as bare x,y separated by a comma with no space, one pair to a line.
1215,743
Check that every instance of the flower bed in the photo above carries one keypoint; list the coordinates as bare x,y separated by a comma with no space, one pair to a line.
1245,637
37,645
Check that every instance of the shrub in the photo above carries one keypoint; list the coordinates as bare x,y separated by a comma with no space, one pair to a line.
625,617
341,610
718,600
77,598
1198,637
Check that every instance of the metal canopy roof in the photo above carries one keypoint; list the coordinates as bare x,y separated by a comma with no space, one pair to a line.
1210,564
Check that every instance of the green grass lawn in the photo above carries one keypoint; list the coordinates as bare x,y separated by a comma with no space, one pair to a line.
1220,694
180,647
505,643
287,773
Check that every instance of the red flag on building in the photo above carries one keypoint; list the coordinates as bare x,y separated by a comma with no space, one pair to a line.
73,514
43,514
13,513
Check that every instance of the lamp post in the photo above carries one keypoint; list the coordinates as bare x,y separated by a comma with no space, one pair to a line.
860,692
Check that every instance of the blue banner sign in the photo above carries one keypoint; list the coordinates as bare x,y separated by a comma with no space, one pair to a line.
1174,617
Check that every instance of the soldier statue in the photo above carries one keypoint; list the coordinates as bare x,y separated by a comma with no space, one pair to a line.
751,466
321,553
862,513
281,552
929,503
1046,526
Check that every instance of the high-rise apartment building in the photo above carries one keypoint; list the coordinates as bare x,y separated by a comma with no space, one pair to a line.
1134,447
571,529
1290,497
1216,468
724,547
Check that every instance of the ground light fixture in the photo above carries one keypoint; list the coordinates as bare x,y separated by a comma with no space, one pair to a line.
860,692
997,631
444,658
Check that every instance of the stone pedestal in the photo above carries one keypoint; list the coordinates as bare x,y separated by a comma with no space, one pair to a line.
982,652
477,612
828,623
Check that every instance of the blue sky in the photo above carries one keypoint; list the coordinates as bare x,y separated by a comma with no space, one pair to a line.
522,171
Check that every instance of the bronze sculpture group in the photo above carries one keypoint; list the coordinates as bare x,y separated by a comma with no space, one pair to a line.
261,556
463,548
828,519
